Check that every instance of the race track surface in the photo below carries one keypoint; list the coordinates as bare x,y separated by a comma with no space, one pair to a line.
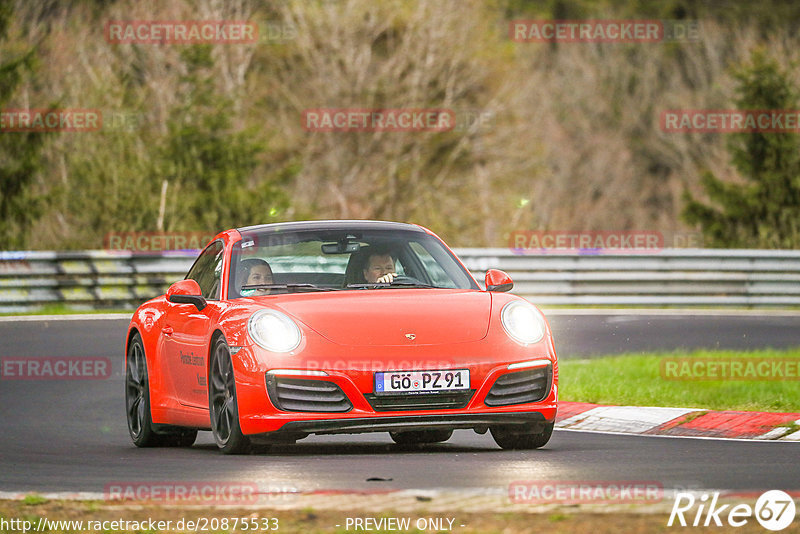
72,436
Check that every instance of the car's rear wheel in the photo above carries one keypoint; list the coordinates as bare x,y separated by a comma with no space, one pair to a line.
511,438
222,403
415,437
143,431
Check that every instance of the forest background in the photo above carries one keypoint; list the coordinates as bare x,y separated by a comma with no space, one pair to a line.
548,136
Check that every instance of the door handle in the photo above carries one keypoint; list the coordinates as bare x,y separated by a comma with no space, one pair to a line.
167,330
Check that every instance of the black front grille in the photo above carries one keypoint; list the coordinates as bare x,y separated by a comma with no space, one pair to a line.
520,387
304,395
420,401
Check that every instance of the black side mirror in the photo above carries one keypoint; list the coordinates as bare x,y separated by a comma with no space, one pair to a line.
498,281
197,300
186,292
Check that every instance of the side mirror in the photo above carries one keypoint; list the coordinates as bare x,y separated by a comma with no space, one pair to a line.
186,292
498,281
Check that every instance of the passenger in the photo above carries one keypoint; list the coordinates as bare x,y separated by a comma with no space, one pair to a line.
254,272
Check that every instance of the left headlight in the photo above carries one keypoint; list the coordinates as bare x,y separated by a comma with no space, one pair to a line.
274,331
522,322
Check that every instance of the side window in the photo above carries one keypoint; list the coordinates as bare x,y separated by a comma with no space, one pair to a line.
207,270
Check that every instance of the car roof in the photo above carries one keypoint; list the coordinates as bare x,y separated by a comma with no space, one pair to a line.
332,225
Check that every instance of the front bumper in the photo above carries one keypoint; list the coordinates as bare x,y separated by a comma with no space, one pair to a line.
530,420
258,414
363,418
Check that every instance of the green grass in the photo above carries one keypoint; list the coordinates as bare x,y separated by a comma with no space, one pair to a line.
636,380
33,499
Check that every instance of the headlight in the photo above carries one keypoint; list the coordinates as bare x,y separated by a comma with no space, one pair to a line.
522,322
274,331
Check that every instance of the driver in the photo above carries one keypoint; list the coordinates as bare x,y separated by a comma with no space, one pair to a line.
255,271
379,267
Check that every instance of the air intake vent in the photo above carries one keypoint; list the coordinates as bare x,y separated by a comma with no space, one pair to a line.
420,401
303,395
520,387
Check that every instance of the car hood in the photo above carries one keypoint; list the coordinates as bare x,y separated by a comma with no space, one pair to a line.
395,316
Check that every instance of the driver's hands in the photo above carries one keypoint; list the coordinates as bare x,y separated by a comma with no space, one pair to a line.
387,278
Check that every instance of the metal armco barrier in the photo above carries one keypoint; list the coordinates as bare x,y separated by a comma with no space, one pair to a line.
86,280
670,277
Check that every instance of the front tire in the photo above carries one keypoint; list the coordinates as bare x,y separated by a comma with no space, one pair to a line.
137,397
223,408
508,438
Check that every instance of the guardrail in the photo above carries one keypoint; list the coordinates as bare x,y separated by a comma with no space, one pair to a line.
670,277
86,280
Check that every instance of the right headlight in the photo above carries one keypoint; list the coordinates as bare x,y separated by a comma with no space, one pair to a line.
274,331
522,322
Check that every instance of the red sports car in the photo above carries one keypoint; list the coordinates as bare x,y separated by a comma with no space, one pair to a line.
284,330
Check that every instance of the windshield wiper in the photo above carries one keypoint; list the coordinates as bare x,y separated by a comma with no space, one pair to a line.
396,285
290,287
410,283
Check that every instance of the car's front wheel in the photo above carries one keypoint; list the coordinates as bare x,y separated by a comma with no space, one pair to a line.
222,403
137,397
511,438
415,437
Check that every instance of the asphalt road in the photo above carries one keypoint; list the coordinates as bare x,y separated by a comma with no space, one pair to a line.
589,335
576,335
71,435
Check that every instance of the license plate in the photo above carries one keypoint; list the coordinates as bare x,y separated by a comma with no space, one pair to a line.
421,381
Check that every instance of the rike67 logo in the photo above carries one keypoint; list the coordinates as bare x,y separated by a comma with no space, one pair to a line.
774,510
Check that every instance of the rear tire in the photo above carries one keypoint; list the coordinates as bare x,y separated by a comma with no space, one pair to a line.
222,403
419,437
143,431
508,438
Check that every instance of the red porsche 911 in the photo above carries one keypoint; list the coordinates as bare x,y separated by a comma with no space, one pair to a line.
283,330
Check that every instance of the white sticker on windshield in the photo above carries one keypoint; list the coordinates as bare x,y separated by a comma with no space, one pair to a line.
246,244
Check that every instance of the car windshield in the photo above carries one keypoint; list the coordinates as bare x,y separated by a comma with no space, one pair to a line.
269,262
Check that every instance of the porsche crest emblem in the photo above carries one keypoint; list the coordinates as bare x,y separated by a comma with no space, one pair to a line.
411,337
